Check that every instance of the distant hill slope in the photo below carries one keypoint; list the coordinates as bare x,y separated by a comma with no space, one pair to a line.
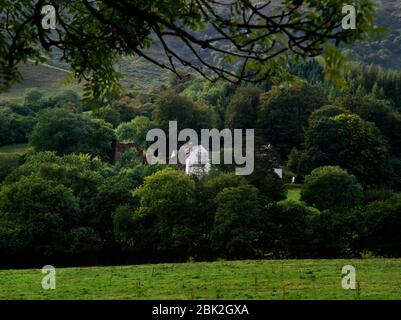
387,52
46,77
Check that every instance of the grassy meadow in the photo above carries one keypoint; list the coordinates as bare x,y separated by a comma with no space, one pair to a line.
294,194
249,279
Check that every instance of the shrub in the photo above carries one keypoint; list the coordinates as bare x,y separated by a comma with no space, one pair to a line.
241,112
238,223
326,112
135,131
273,188
8,162
35,217
130,158
284,112
351,143
67,132
372,195
166,203
287,230
109,115
381,228
331,188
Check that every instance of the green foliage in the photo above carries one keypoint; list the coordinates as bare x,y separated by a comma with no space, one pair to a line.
208,188
214,184
83,23
130,158
33,97
334,234
351,143
381,194
129,108
366,79
14,128
135,131
381,227
287,229
216,94
241,112
387,120
170,107
187,113
272,188
297,163
80,173
395,181
331,188
109,115
326,112
238,223
113,193
84,242
166,201
36,216
18,120
284,114
65,132
21,109
8,162
66,99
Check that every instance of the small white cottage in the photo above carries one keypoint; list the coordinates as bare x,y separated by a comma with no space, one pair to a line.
197,159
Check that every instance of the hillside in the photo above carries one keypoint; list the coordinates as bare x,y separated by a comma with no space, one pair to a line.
385,52
138,74
45,77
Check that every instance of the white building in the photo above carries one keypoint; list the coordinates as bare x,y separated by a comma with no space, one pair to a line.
197,159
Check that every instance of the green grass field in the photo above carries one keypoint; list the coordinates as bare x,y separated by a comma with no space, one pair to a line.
294,194
251,279
14,148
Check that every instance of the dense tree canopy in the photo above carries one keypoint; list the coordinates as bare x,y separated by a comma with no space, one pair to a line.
242,111
331,188
36,216
166,202
287,228
65,132
380,112
284,113
238,224
135,131
351,143
186,112
382,222
326,112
